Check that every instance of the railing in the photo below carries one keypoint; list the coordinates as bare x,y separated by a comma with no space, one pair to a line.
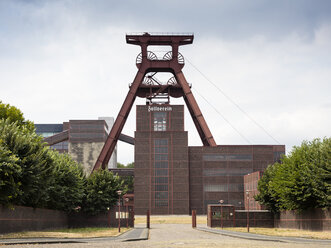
162,33
167,56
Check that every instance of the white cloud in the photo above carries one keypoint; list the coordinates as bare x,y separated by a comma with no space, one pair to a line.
64,66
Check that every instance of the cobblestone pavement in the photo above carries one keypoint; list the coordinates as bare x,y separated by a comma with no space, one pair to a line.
180,235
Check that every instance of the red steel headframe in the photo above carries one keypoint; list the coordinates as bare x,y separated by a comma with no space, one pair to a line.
147,65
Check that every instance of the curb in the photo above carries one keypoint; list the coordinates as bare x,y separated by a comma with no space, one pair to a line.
143,234
260,237
25,242
135,234
235,235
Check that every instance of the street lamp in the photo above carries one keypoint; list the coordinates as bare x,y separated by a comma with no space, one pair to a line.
247,194
127,212
221,202
108,211
119,192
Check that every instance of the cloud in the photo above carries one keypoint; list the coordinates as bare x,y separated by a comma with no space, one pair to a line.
64,60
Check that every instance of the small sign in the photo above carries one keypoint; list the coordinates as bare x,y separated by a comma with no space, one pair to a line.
159,108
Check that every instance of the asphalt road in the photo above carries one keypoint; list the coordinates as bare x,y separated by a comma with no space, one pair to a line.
180,235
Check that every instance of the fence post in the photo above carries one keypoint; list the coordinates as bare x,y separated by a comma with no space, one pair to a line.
132,217
148,219
194,219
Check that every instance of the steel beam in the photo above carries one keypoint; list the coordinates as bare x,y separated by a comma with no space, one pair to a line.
198,119
57,138
116,130
126,138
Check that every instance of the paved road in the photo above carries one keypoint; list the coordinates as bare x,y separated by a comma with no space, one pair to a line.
180,235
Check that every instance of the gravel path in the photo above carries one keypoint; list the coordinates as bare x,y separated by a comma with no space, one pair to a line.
180,235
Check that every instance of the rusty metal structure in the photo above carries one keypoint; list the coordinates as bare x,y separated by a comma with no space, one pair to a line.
147,86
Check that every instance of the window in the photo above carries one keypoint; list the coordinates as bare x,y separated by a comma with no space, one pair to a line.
160,121
231,187
161,166
226,172
229,157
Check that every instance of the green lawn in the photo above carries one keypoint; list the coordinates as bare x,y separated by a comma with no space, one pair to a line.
89,232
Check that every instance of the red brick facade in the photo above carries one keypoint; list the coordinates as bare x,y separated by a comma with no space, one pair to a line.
173,178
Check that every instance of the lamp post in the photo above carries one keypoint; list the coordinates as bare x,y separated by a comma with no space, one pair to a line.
127,213
221,202
247,194
108,211
119,192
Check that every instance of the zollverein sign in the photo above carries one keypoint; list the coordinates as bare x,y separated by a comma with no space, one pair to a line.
159,109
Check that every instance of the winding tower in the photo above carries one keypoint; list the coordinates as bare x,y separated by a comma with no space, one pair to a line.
145,85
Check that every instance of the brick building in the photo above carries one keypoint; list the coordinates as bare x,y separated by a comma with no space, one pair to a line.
174,178
250,188
82,139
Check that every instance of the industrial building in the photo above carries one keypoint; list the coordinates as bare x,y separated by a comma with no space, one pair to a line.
174,178
171,177
82,139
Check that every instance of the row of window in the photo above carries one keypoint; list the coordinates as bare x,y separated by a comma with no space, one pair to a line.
161,149
226,172
160,121
88,135
230,157
160,142
231,187
161,172
161,180
61,146
87,127
160,157
46,134
161,165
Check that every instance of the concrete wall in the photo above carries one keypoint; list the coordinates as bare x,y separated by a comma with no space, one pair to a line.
314,220
113,159
85,153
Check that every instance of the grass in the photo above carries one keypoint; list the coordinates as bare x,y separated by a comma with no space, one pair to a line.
283,232
89,232
202,219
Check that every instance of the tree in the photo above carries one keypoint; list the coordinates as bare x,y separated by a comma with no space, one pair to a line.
9,176
68,187
13,114
301,181
128,183
32,158
267,196
101,193
129,165
120,165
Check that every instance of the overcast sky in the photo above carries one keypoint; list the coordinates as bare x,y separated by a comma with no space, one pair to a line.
65,60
